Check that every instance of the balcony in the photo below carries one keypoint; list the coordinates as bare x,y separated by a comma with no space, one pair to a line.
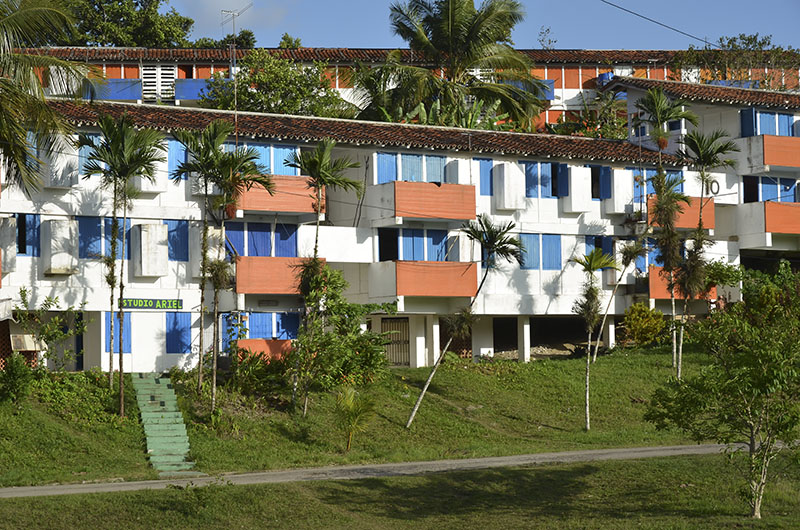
422,278
426,200
764,153
756,222
266,275
691,213
657,283
189,89
291,195
115,90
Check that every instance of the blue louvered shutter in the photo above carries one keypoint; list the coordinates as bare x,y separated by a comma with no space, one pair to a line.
177,239
282,152
747,117
677,176
605,182
32,234
653,254
769,189
234,238
90,237
589,244
287,324
126,333
486,184
412,167
437,245
179,332
562,181
84,151
649,175
258,239
766,123
387,167
107,237
546,180
787,190
260,325
530,251
286,240
176,155
434,168
413,244
263,151
531,179
551,252
785,125
608,245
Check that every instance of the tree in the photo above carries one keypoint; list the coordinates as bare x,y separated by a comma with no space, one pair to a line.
287,42
603,117
134,23
353,411
459,40
30,129
245,40
122,153
496,244
588,305
750,391
324,173
266,83
656,110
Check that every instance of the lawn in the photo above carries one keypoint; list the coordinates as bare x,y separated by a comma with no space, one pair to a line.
678,492
471,410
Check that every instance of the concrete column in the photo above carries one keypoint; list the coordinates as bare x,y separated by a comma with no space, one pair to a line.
524,338
609,332
482,338
432,338
416,341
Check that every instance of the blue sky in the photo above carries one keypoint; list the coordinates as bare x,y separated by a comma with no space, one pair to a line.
574,24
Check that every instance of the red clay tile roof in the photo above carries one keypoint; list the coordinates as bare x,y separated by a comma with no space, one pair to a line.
382,135
338,55
711,93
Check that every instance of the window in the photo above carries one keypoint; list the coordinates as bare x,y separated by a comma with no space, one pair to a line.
260,325
234,239
107,228
179,332
767,123
84,151
259,236
33,158
176,155
126,332
264,156
90,237
643,182
551,252
770,189
413,244
280,154
553,180
228,329
601,182
28,229
436,245
531,179
412,167
177,239
755,122
435,168
387,244
286,240
485,166
387,167
750,188
287,325
530,251
674,125
652,257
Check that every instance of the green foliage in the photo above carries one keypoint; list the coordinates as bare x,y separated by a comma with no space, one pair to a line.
641,325
603,117
719,273
266,83
245,40
656,109
15,379
353,412
79,397
51,330
287,41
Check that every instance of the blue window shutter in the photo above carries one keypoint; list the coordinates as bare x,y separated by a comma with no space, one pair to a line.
605,182
126,333
787,189
530,252
260,325
551,252
412,167
84,152
177,239
769,189
649,174
563,181
531,179
263,151
121,231
434,168
413,244
32,233
785,125
641,263
766,123
387,167
486,184
653,255
282,152
176,155
638,185
589,244
90,237
437,245
258,239
608,245
286,240
676,175
179,332
288,324
546,180
747,118
234,235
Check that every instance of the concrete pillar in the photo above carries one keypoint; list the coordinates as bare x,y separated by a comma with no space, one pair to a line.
432,339
416,341
609,332
482,338
524,338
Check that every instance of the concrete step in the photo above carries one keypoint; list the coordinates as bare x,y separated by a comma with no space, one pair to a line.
161,415
157,429
183,466
170,446
167,459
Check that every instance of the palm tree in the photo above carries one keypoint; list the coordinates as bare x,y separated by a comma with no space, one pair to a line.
323,172
23,107
588,306
459,40
496,244
656,110
122,152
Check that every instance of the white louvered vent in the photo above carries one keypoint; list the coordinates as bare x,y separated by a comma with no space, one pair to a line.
158,83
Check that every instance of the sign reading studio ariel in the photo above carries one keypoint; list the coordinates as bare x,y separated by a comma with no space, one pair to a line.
151,303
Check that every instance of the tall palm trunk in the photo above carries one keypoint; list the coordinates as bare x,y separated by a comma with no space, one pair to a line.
680,339
122,313
216,347
203,279
588,364
316,234
674,331
605,315
111,275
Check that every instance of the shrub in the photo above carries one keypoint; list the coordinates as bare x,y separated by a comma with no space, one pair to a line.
353,412
642,325
15,379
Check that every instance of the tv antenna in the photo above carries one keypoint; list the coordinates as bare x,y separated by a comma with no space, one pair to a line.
231,15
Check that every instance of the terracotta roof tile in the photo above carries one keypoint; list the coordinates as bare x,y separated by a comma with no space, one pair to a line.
711,93
382,135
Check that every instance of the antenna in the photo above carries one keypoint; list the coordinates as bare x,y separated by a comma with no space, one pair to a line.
232,14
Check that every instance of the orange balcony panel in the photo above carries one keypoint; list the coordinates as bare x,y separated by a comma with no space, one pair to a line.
427,200
781,151
782,218
291,194
266,348
436,278
691,212
265,275
658,286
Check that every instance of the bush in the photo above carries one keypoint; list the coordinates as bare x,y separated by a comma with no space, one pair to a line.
15,379
81,397
642,325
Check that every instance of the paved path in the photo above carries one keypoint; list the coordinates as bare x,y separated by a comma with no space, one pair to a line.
369,470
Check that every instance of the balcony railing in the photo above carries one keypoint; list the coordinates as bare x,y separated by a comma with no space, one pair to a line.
658,285
428,200
189,89
267,275
114,90
390,279
291,195
691,212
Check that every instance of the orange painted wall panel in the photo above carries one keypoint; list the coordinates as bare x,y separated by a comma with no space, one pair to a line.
554,73
131,71
291,195
657,72
640,71
329,76
572,77
691,212
658,286
203,71
436,278
790,79
782,218
781,151
267,275
538,73
221,68
185,71
589,76
427,200
554,115
266,348
345,77
114,71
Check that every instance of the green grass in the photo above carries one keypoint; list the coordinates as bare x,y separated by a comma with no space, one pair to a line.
471,410
678,492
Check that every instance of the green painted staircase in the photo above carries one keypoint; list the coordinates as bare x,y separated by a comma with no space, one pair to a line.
167,443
